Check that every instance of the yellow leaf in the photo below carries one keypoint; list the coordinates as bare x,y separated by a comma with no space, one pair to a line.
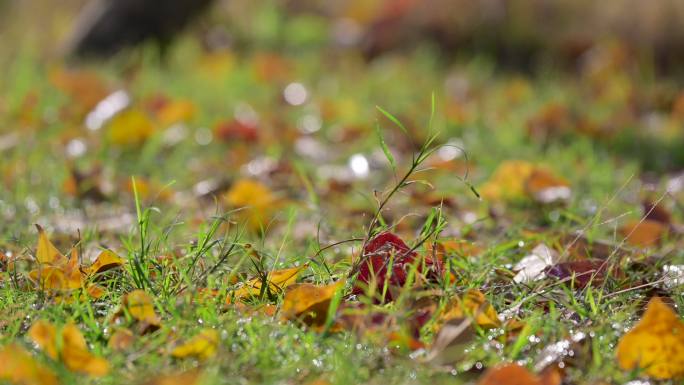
309,302
202,346
44,334
105,261
277,280
474,304
655,344
175,112
516,180
95,291
139,304
76,356
131,127
46,252
643,233
257,202
19,367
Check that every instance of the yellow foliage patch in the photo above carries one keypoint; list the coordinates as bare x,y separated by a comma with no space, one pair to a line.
202,346
655,344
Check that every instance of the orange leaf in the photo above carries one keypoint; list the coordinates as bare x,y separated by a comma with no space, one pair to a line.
643,233
105,261
76,356
510,374
309,302
44,334
655,344
277,281
475,305
141,307
19,367
122,339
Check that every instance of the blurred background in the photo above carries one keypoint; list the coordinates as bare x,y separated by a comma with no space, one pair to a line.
96,91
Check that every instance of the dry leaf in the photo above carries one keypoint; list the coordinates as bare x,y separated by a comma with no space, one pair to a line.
532,266
545,187
77,357
277,281
510,374
122,339
140,306
475,305
308,302
516,180
46,252
105,261
643,233
174,112
20,368
69,345
202,346
256,201
655,344
44,334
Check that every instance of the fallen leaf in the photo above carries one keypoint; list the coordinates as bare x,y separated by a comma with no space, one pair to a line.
532,266
177,111
76,356
582,272
474,305
129,128
256,201
643,233
140,306
309,303
69,345
374,275
518,180
44,334
121,340
107,260
202,346
46,252
509,374
20,368
655,344
277,281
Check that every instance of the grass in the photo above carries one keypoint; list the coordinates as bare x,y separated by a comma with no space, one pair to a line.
485,109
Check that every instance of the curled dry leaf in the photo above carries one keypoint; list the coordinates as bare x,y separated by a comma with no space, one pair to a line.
69,345
378,279
20,368
277,280
643,233
202,346
655,344
309,303
107,260
532,266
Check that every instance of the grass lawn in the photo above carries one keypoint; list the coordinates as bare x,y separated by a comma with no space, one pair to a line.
224,169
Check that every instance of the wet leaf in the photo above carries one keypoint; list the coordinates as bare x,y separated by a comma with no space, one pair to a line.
655,344
202,346
20,368
309,303
581,272
385,249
